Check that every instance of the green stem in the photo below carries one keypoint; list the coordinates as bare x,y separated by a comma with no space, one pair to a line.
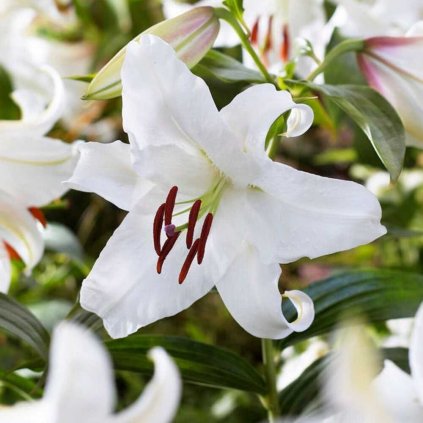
270,372
341,48
228,17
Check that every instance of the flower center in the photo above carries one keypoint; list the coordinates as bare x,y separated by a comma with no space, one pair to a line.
206,205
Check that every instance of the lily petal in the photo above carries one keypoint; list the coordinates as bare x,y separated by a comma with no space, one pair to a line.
114,178
250,291
20,230
305,215
37,124
416,354
5,269
152,71
252,123
159,401
396,390
124,288
80,381
32,168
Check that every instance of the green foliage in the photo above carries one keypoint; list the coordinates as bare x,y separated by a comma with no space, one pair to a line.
198,363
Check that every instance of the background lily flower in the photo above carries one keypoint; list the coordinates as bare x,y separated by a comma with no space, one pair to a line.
215,209
394,67
80,386
32,168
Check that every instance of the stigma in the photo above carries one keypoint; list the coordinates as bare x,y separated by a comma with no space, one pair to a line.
163,222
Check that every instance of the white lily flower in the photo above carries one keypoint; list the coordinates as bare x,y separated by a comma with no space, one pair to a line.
80,386
209,180
394,67
373,18
32,168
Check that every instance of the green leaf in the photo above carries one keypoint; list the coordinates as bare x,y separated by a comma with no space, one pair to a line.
225,68
377,294
19,322
376,118
305,391
24,388
198,363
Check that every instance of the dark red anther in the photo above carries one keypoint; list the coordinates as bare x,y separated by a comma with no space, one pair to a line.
254,32
205,230
192,220
188,261
157,228
285,47
268,42
167,247
38,214
13,255
170,205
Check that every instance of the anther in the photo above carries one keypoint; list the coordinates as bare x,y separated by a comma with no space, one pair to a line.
254,32
285,47
157,228
192,220
170,205
38,214
167,247
188,261
268,43
12,253
205,230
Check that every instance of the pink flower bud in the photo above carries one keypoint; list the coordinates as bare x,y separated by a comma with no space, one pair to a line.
191,34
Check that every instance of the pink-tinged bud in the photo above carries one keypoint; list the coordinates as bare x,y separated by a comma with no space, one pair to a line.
191,34
394,67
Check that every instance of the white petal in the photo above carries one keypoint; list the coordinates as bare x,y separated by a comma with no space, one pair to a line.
32,169
416,354
80,383
170,165
164,103
34,412
5,269
396,390
38,123
250,291
20,230
106,169
305,215
252,122
124,288
160,399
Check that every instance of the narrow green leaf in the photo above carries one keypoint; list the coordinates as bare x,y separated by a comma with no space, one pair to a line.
378,294
19,322
376,118
25,389
225,68
199,363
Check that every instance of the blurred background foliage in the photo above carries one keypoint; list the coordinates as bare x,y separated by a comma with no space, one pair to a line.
80,224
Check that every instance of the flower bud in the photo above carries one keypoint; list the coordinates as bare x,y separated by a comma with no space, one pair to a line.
393,66
191,34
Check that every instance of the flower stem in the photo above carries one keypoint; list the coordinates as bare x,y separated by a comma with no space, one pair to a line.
270,372
226,15
341,48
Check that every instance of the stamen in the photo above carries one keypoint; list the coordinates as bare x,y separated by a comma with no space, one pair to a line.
13,255
38,214
285,47
170,204
167,247
268,43
188,261
205,230
170,230
192,220
157,228
254,32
